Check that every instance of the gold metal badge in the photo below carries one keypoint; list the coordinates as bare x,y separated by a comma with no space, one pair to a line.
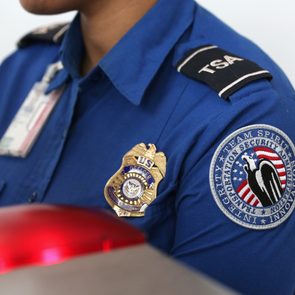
134,186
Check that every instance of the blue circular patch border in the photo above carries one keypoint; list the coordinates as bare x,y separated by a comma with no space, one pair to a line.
217,198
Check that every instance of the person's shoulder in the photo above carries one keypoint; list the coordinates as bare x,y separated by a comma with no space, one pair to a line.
214,31
38,44
34,51
225,66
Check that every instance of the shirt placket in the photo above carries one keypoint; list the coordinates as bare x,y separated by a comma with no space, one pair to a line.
52,145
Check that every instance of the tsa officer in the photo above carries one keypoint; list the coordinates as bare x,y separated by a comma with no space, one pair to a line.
162,114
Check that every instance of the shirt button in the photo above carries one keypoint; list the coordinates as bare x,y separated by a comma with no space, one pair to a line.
33,197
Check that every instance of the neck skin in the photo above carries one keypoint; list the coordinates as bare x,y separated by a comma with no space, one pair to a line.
104,23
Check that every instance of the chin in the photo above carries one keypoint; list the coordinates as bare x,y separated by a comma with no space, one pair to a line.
48,6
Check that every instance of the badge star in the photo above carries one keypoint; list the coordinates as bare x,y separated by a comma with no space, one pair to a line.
221,158
263,212
290,155
263,221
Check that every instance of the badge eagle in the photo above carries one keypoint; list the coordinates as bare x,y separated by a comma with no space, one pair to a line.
134,186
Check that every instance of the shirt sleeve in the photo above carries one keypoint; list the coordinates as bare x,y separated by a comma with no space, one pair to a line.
235,201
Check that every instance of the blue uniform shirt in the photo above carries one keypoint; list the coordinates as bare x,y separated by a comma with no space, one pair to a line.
207,213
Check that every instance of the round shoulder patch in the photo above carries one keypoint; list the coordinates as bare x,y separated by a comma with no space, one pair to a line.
252,176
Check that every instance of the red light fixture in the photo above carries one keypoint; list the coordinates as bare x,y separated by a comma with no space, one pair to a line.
46,235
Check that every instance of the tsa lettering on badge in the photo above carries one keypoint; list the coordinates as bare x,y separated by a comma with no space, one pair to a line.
252,177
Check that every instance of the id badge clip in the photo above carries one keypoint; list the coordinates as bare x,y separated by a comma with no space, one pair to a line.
28,122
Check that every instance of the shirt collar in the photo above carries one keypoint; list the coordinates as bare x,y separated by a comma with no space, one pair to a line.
70,54
134,61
